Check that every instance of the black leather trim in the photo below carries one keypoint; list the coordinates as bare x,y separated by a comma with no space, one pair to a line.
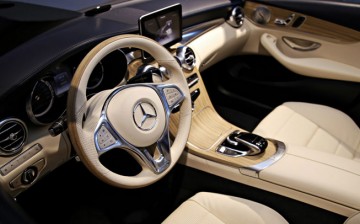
21,63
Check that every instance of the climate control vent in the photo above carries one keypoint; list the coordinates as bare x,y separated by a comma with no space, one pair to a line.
13,135
186,57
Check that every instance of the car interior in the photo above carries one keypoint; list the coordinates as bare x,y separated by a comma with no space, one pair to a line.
226,111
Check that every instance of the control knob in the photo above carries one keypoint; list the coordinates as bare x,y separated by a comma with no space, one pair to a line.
29,175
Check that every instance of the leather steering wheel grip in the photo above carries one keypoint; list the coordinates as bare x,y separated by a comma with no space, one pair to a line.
83,115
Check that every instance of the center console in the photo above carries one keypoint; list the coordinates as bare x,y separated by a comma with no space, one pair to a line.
214,139
221,148
241,143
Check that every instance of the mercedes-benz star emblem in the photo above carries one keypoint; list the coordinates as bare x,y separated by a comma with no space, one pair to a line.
145,116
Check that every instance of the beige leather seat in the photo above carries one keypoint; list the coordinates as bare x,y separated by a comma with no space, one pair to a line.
205,207
313,126
213,208
322,151
355,219
322,129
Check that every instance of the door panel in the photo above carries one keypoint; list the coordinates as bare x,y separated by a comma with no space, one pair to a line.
345,12
269,72
321,66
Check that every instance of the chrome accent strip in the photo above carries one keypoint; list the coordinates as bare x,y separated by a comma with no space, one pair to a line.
193,81
21,123
145,116
104,122
20,159
182,57
222,149
301,44
236,18
253,150
193,32
156,165
280,152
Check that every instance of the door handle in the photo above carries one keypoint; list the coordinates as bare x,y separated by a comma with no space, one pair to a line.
310,66
301,44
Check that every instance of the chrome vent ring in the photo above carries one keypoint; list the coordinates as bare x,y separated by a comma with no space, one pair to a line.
236,17
13,135
186,57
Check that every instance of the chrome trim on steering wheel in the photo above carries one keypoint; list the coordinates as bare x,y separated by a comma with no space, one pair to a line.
147,112
106,137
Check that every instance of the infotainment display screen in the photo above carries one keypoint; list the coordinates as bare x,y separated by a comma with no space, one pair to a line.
163,26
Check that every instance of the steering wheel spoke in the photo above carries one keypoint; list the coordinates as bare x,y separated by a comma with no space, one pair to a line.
105,137
157,156
161,158
171,94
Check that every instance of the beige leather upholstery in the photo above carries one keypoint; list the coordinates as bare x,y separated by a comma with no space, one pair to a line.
322,156
355,219
313,126
214,208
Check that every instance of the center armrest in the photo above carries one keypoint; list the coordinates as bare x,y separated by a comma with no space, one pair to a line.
317,173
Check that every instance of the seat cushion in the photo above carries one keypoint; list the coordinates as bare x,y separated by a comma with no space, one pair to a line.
355,219
205,207
314,126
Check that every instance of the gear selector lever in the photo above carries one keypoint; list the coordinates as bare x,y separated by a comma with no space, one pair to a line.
242,144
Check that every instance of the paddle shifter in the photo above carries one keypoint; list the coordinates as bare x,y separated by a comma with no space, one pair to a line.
242,144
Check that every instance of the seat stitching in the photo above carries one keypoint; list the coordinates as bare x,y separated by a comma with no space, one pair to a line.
285,123
348,146
319,127
337,149
313,135
358,145
356,150
206,209
320,162
352,151
344,143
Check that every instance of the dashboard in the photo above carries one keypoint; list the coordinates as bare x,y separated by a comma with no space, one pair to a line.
33,127
37,72
47,100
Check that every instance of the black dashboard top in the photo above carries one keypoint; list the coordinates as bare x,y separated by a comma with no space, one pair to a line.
64,32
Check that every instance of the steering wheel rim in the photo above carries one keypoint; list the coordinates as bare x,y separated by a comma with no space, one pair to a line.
84,115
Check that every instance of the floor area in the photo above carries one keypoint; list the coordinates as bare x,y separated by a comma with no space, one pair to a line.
73,195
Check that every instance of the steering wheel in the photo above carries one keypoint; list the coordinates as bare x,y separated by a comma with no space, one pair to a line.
132,117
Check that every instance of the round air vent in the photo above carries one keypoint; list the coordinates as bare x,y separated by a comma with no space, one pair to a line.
186,57
236,17
13,135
